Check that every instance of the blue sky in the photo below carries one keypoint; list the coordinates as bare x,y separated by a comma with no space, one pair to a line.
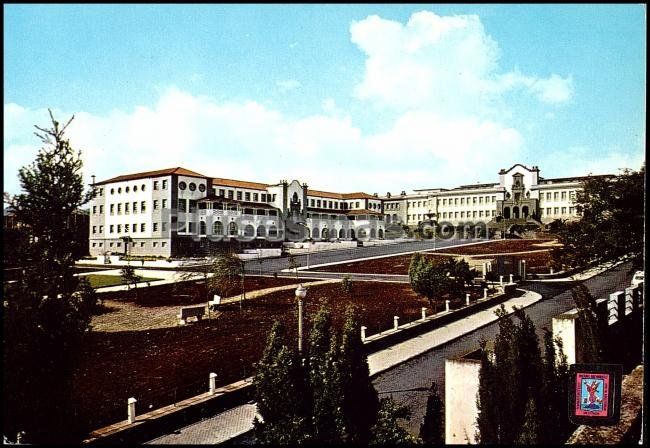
345,97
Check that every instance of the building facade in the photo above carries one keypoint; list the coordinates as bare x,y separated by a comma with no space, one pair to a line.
181,212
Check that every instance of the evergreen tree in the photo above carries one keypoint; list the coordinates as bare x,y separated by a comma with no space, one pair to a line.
429,279
279,393
432,429
45,319
590,328
359,397
324,381
530,429
487,421
386,430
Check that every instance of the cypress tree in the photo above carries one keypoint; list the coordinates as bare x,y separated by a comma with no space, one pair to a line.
487,421
530,430
386,431
432,428
359,397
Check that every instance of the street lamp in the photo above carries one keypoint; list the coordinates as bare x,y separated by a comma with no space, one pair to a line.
301,293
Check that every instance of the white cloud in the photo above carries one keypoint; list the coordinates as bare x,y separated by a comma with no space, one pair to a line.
247,140
445,64
582,160
289,84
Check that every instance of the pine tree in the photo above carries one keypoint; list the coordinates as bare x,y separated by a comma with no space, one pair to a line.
279,393
360,402
530,429
386,430
324,381
45,319
432,428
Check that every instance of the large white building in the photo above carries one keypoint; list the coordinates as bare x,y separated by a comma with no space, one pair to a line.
179,212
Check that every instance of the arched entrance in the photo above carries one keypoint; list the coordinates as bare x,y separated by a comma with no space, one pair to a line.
261,231
373,233
324,234
342,233
515,212
352,233
524,211
381,233
506,212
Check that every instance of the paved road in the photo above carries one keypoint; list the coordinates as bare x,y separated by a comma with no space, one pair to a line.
270,265
422,370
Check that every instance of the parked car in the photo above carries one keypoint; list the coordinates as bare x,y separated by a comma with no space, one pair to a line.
637,278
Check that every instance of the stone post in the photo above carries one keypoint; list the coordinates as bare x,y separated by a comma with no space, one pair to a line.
131,410
629,300
447,305
484,270
501,280
485,293
424,313
612,308
467,299
523,269
395,322
363,334
213,383
511,278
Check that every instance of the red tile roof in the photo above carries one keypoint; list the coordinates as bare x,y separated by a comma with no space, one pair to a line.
328,194
157,173
363,211
218,181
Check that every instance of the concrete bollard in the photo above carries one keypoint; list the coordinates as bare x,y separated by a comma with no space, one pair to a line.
501,280
131,409
511,278
551,271
484,270
447,305
485,290
213,383
467,299
395,322
523,269
363,334
424,313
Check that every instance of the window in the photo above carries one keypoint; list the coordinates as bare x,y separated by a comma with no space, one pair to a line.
248,196
230,194
119,228
480,213
255,196
480,199
112,209
357,205
182,185
111,228
494,198
126,208
127,189
142,227
182,205
191,227
555,196
201,189
94,209
134,227
119,209
548,196
142,187
555,210
217,228
155,226
192,186
119,190
444,214
143,206
94,229
462,201
164,184
462,214
155,244
155,204
474,214
101,209
164,203
239,195
135,188
318,203
571,210
192,205
135,207
222,192
111,244
492,212
474,200
101,192
155,184
564,210
119,244
264,199
444,202
564,195
548,210
455,214
101,229
163,244
112,190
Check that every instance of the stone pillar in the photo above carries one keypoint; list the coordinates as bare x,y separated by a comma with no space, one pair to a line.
501,280
612,308
424,313
467,299
447,305
485,293
395,322
363,334
564,328
484,270
131,410
523,269
551,271
213,383
511,279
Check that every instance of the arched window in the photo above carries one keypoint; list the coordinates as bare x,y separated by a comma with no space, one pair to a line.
273,232
232,229
261,231
202,228
315,232
506,212
381,233
524,211
352,233
324,234
373,233
249,231
342,233
217,228
362,233
515,212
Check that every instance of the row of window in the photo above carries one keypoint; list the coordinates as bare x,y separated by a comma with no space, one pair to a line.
462,214
128,207
392,206
246,196
558,195
182,186
129,228
134,244
557,211
127,189
466,200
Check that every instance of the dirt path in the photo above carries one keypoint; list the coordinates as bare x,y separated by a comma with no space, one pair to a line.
128,316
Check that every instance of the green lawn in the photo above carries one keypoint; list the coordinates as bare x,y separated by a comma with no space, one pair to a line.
101,281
